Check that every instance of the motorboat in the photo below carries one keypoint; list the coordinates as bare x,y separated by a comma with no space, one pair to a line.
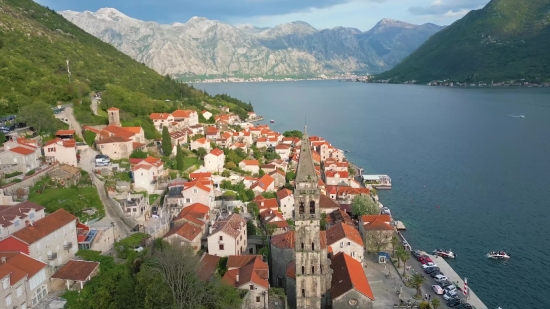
445,253
521,116
272,121
498,255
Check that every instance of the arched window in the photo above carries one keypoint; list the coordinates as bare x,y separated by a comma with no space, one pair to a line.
321,269
303,270
312,246
303,293
302,246
311,207
312,269
301,208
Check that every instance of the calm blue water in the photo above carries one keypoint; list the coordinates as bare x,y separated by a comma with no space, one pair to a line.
456,148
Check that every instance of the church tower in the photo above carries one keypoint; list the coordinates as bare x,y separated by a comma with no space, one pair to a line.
114,116
312,264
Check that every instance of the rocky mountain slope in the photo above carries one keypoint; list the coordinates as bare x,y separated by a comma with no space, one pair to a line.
507,39
202,47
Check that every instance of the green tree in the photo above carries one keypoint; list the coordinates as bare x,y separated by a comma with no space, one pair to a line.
2,138
404,255
253,209
179,157
364,205
166,142
293,133
226,173
139,154
417,281
270,229
394,243
261,173
399,254
250,228
424,305
323,223
435,303
290,176
38,115
201,152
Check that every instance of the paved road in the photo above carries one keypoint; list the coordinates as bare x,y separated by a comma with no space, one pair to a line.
73,124
94,105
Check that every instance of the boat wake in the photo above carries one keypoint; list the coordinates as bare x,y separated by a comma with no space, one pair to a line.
517,116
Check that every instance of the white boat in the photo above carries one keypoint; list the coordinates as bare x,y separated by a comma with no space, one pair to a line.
272,121
521,116
498,255
445,253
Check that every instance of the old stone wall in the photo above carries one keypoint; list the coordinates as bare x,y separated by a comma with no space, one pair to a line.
352,299
10,168
279,261
28,181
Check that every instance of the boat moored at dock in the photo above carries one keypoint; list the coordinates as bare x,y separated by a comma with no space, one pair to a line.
377,181
444,253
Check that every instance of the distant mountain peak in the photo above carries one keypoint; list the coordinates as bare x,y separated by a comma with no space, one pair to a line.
388,22
110,12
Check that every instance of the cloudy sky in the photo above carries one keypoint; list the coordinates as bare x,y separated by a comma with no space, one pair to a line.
361,14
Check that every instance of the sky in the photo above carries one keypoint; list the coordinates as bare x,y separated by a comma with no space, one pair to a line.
360,14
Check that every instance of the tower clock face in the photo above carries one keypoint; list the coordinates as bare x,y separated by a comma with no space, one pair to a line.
352,302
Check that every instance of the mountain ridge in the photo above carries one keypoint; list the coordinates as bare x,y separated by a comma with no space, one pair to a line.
203,47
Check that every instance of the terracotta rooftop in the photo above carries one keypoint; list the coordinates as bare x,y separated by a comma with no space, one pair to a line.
197,175
340,231
327,203
284,241
217,152
208,266
348,274
44,226
263,183
22,150
182,113
113,109
76,270
291,269
9,213
18,266
250,162
265,203
65,132
113,139
187,231
159,116
249,268
230,225
118,131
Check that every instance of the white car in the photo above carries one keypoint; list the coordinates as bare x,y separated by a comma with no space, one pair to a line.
449,295
429,264
138,248
437,289
440,278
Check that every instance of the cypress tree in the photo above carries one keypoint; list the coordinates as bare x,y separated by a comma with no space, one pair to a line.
166,142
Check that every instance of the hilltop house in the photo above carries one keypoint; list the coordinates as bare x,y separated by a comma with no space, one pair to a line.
249,273
214,160
345,238
16,217
23,153
62,151
252,166
146,173
24,280
265,184
200,143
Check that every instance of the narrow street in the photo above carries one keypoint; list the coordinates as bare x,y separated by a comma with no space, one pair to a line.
73,124
94,105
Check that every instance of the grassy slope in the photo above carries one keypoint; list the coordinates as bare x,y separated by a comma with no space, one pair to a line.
36,42
517,48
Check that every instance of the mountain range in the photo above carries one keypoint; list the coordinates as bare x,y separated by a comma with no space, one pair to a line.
209,48
505,40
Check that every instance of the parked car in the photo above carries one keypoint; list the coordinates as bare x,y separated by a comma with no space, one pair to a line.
437,289
448,296
436,273
426,260
453,302
416,254
464,306
429,264
422,257
451,288
439,278
445,283
431,270
102,160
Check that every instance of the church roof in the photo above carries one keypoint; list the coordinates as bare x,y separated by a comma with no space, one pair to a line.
347,275
306,168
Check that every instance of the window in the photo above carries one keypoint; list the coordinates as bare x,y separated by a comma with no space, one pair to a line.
302,246
19,291
312,207
353,254
303,293
303,270
221,237
301,209
221,247
252,287
312,246
31,215
349,243
257,299
188,200
8,300
312,269
195,191
321,269
16,223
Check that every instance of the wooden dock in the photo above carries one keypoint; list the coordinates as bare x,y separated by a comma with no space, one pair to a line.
399,226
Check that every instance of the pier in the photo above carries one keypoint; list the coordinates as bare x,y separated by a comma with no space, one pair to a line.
399,226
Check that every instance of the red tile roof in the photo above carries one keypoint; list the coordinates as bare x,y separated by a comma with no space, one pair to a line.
250,162
348,274
136,145
196,183
44,226
208,266
113,139
185,113
96,131
159,116
291,269
337,174
327,203
340,231
22,150
263,183
284,241
281,194
197,175
230,225
201,140
249,268
267,203
113,109
20,211
118,131
18,266
187,231
64,132
76,270
217,152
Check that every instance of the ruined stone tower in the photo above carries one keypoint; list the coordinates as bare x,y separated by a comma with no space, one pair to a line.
312,264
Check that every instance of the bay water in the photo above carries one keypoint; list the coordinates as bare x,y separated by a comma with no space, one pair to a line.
468,174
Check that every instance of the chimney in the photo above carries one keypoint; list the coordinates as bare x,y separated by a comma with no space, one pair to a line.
27,223
4,261
236,276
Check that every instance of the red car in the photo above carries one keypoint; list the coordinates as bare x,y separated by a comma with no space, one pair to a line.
425,259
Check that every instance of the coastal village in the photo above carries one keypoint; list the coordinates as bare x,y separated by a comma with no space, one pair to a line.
276,216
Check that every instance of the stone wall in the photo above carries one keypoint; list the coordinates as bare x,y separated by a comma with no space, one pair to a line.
10,168
352,299
279,261
28,181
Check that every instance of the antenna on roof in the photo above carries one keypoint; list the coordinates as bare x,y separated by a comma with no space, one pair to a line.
305,124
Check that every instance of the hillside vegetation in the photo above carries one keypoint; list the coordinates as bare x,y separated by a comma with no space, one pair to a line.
507,39
35,45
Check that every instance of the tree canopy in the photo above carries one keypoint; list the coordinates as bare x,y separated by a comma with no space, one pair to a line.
364,205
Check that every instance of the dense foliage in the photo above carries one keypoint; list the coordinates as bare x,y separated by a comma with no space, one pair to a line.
35,45
508,39
364,205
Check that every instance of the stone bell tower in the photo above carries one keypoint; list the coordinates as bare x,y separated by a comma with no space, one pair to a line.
312,264
114,116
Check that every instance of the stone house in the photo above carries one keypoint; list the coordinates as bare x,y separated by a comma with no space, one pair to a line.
62,151
52,239
146,173
74,275
350,286
196,214
378,229
16,217
25,159
116,147
285,197
197,191
214,160
279,176
228,236
337,178
345,238
283,150
185,234
274,217
238,145
252,166
268,168
161,120
65,175
336,166
185,118
178,138
200,143
134,204
24,280
249,273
